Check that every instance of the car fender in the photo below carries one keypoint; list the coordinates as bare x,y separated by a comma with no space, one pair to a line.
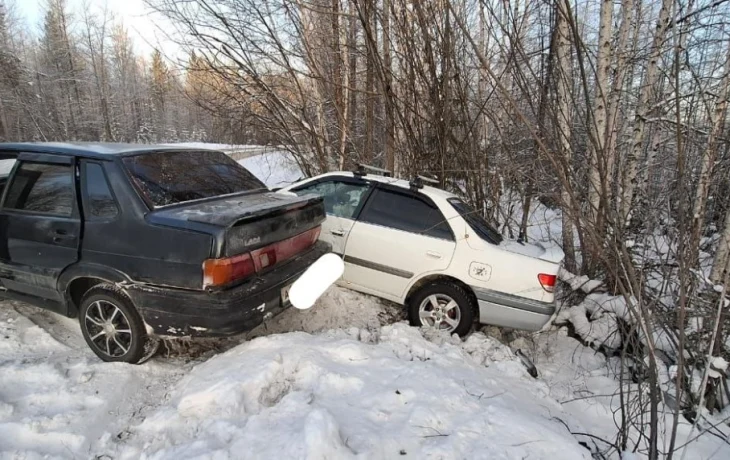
433,274
87,270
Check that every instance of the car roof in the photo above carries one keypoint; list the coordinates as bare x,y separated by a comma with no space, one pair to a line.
432,192
89,149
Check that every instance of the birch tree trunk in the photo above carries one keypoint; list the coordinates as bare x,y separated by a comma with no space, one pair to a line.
723,251
387,82
600,109
622,51
482,83
564,117
352,77
646,97
371,49
708,162
337,84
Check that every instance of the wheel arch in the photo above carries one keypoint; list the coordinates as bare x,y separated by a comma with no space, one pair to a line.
440,277
78,279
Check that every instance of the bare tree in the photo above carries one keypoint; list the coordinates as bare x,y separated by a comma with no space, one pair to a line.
647,97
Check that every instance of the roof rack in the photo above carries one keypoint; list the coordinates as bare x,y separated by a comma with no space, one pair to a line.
418,182
362,170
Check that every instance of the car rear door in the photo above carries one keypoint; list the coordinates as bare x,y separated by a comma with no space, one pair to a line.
399,235
40,225
343,200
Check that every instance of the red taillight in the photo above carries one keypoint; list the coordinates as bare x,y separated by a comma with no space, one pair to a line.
219,272
547,281
285,249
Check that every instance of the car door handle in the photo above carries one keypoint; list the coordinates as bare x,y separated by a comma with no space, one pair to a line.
62,235
338,232
433,255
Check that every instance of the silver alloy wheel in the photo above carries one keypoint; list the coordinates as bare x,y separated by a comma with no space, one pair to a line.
440,311
108,328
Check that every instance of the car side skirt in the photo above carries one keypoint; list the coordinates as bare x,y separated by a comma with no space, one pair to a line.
379,267
512,311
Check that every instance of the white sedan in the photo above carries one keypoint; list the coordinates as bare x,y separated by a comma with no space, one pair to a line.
428,250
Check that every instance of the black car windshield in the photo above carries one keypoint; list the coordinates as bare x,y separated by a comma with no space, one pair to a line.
476,221
175,177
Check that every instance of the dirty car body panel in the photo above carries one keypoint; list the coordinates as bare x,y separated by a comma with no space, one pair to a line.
149,219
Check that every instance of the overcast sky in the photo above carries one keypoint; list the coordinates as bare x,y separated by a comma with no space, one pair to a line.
136,16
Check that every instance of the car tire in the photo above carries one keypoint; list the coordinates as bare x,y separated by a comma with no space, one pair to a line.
112,327
432,306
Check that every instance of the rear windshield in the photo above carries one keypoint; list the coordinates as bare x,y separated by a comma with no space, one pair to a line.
476,222
175,177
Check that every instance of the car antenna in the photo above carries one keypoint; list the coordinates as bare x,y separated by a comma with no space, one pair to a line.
362,170
418,182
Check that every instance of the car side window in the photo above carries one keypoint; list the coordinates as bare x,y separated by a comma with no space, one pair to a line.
407,213
43,188
99,199
341,199
6,166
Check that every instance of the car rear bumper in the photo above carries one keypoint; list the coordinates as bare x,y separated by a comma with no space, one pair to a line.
179,312
512,311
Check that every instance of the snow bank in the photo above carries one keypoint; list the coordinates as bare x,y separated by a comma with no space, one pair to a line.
338,308
367,391
334,396
576,282
596,321
586,384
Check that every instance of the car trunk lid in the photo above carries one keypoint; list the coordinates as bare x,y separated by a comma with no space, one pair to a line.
245,222
536,250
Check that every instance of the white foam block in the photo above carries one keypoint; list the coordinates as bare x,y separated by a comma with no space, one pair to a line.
315,280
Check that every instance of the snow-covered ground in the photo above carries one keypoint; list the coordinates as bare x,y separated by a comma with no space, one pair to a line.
586,385
354,393
56,398
352,386
358,390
